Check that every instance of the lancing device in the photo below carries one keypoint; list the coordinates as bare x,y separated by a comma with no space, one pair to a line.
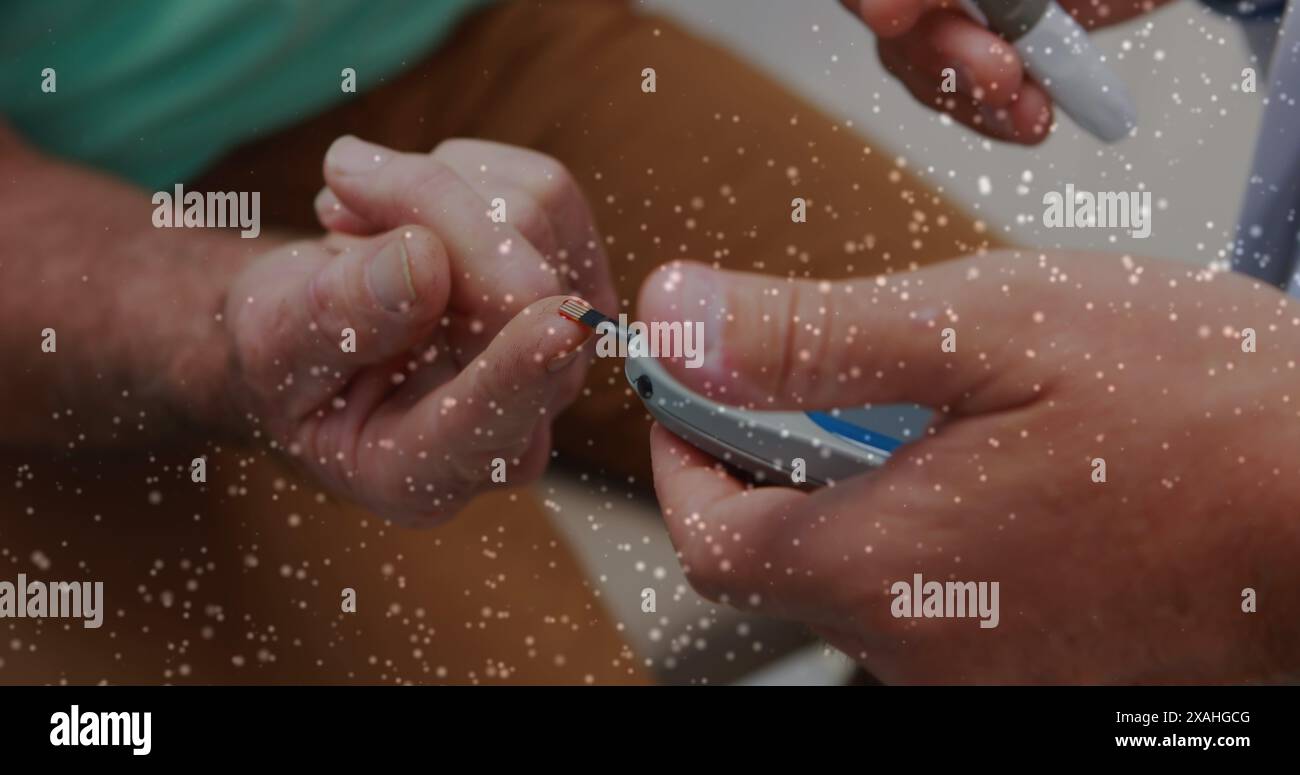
1057,51
802,449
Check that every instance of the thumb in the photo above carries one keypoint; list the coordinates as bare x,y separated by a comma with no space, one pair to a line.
944,337
311,320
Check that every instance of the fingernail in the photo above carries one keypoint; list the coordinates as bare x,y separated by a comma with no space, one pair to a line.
559,362
389,277
350,155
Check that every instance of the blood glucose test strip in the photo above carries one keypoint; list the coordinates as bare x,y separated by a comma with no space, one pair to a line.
580,311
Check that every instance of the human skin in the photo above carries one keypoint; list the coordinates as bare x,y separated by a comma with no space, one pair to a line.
1061,359
460,355
918,39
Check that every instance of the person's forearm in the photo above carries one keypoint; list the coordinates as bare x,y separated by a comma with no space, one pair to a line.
130,311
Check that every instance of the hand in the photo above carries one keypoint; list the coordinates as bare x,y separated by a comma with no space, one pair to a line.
995,97
460,355
1060,361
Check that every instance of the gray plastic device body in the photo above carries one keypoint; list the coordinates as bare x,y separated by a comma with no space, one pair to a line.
761,443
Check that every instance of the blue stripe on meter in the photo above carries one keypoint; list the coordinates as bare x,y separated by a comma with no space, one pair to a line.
854,432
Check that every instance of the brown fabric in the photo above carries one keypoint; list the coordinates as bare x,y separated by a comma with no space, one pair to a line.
704,168
240,581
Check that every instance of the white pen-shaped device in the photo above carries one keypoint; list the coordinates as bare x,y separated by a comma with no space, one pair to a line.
1057,52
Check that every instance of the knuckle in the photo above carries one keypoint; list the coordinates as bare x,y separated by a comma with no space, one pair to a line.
791,342
257,368
427,185
531,221
817,334
807,326
551,182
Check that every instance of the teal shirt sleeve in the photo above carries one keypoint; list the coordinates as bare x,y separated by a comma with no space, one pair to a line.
156,90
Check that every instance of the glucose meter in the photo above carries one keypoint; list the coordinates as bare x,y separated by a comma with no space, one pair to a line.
802,449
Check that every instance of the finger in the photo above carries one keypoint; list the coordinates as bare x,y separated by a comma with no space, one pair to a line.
549,194
764,549
522,211
385,295
707,510
542,201
496,178
925,90
1025,118
690,480
890,18
499,403
496,271
774,343
419,489
335,217
986,67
